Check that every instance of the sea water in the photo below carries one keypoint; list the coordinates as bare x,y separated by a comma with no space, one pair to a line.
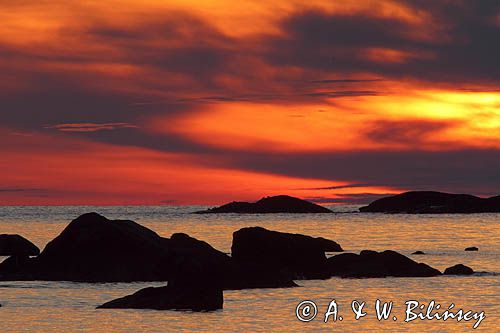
40,306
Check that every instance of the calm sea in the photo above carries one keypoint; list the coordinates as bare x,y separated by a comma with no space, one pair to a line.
70,307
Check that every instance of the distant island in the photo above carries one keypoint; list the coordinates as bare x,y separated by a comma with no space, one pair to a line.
413,202
274,204
430,202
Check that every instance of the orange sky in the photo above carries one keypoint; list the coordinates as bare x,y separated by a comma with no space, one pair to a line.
201,102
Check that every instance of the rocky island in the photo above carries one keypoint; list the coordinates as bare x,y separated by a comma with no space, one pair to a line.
429,202
274,204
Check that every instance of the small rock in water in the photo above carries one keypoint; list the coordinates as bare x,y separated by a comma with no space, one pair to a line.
372,264
458,270
472,248
418,252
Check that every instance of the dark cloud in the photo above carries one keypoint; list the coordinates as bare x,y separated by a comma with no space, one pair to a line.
405,132
352,199
462,48
15,190
136,137
345,80
345,93
283,97
90,127
61,102
467,171
339,187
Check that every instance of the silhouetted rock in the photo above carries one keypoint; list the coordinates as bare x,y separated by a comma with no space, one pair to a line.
246,275
299,255
418,253
169,298
472,248
94,249
276,204
195,288
17,268
16,245
372,264
458,270
428,202
231,274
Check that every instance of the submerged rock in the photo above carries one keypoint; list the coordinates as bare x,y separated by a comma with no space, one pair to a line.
472,248
16,245
299,255
459,270
429,202
276,204
169,298
372,264
196,288
418,253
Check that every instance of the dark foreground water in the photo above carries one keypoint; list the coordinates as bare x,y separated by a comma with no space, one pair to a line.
70,307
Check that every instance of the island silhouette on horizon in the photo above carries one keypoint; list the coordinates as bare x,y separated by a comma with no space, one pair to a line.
412,202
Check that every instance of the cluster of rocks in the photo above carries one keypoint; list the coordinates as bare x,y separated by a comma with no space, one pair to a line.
93,248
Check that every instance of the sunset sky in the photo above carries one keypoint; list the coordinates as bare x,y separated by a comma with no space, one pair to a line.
201,102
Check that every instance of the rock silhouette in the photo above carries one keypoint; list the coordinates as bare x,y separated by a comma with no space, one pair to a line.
372,264
170,298
275,204
16,245
94,249
428,202
300,255
459,270
231,274
472,248
418,253
195,287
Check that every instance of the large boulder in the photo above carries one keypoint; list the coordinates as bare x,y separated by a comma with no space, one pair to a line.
429,202
299,255
94,249
459,270
16,245
275,204
231,274
372,264
471,248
